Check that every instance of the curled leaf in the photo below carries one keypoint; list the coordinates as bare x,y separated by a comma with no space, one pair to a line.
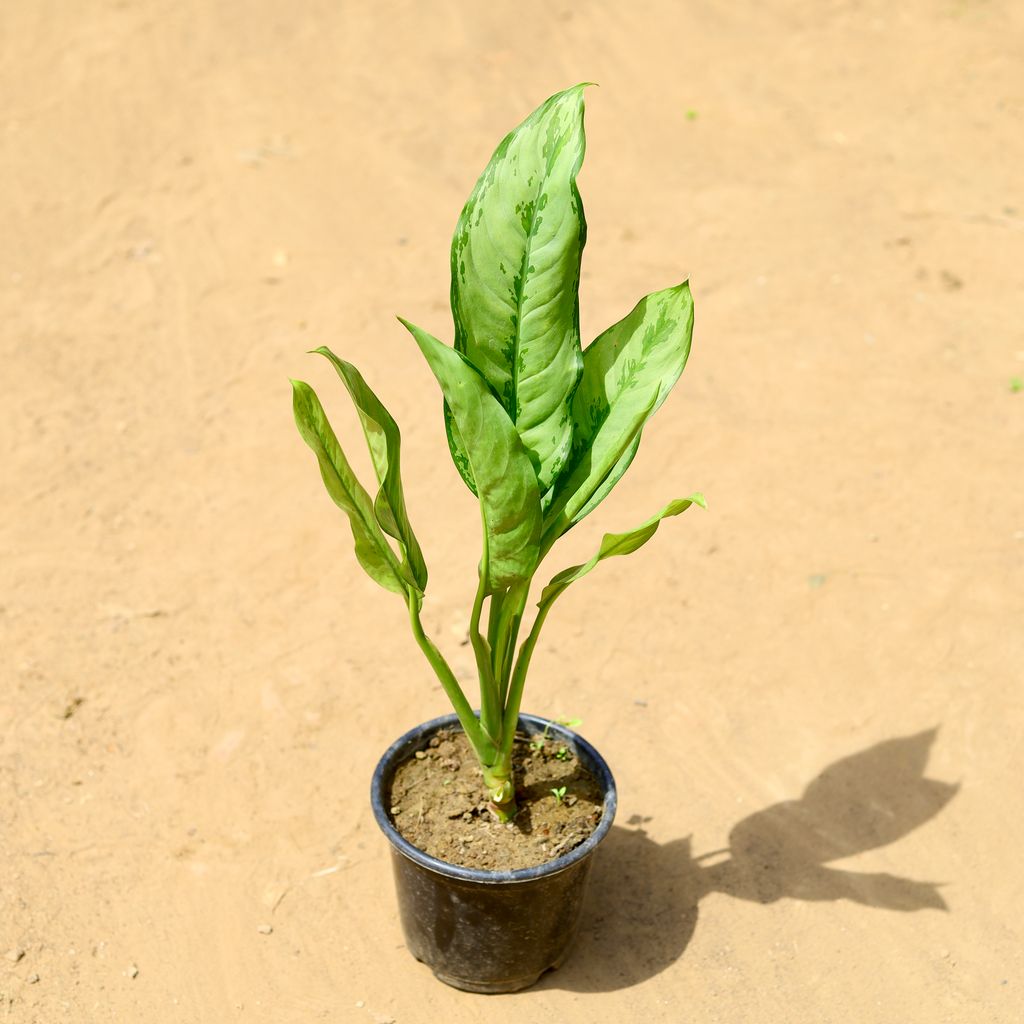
384,440
372,548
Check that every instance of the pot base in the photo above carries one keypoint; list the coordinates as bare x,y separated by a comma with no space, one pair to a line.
494,988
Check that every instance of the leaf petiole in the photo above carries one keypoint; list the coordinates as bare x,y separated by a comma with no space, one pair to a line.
485,750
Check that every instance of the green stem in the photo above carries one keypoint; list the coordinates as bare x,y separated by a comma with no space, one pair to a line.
505,615
507,635
490,709
547,541
501,788
485,749
515,690
493,617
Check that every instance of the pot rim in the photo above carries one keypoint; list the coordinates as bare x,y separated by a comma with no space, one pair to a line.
408,742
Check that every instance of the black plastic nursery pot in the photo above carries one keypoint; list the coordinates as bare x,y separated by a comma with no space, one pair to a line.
490,931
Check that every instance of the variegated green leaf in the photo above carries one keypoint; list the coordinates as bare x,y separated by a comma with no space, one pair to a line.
384,440
372,548
515,279
589,475
628,372
505,481
617,544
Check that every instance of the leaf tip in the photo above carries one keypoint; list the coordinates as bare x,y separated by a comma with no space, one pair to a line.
699,499
303,398
408,325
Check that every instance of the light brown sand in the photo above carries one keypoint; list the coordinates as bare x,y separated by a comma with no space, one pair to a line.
193,194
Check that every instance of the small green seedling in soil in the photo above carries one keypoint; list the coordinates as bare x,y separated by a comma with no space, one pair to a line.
559,794
539,428
537,743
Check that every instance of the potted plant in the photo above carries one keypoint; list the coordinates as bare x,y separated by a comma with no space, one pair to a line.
540,430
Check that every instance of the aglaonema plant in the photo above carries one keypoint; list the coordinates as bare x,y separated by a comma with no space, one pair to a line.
540,429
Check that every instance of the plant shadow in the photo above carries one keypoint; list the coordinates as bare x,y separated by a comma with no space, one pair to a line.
643,899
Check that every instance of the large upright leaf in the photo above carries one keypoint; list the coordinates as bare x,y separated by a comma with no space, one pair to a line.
384,440
616,544
515,280
628,372
372,548
505,481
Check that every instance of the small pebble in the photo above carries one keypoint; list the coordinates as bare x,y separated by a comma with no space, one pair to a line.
420,755
396,811
15,955
133,971
265,929
32,979
360,1004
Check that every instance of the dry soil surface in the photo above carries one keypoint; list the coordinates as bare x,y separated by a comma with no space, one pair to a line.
810,693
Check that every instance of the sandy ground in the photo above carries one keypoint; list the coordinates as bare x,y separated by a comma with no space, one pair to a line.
197,679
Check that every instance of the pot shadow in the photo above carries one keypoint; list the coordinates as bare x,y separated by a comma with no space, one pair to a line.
643,897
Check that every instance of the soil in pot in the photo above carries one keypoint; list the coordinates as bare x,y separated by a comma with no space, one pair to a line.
438,804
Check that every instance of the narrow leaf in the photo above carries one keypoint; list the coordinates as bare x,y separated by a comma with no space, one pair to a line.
515,279
628,372
372,548
505,481
604,488
592,473
617,544
384,440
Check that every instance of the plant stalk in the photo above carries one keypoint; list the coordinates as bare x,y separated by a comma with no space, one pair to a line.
490,709
506,632
505,614
501,788
485,749
518,681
